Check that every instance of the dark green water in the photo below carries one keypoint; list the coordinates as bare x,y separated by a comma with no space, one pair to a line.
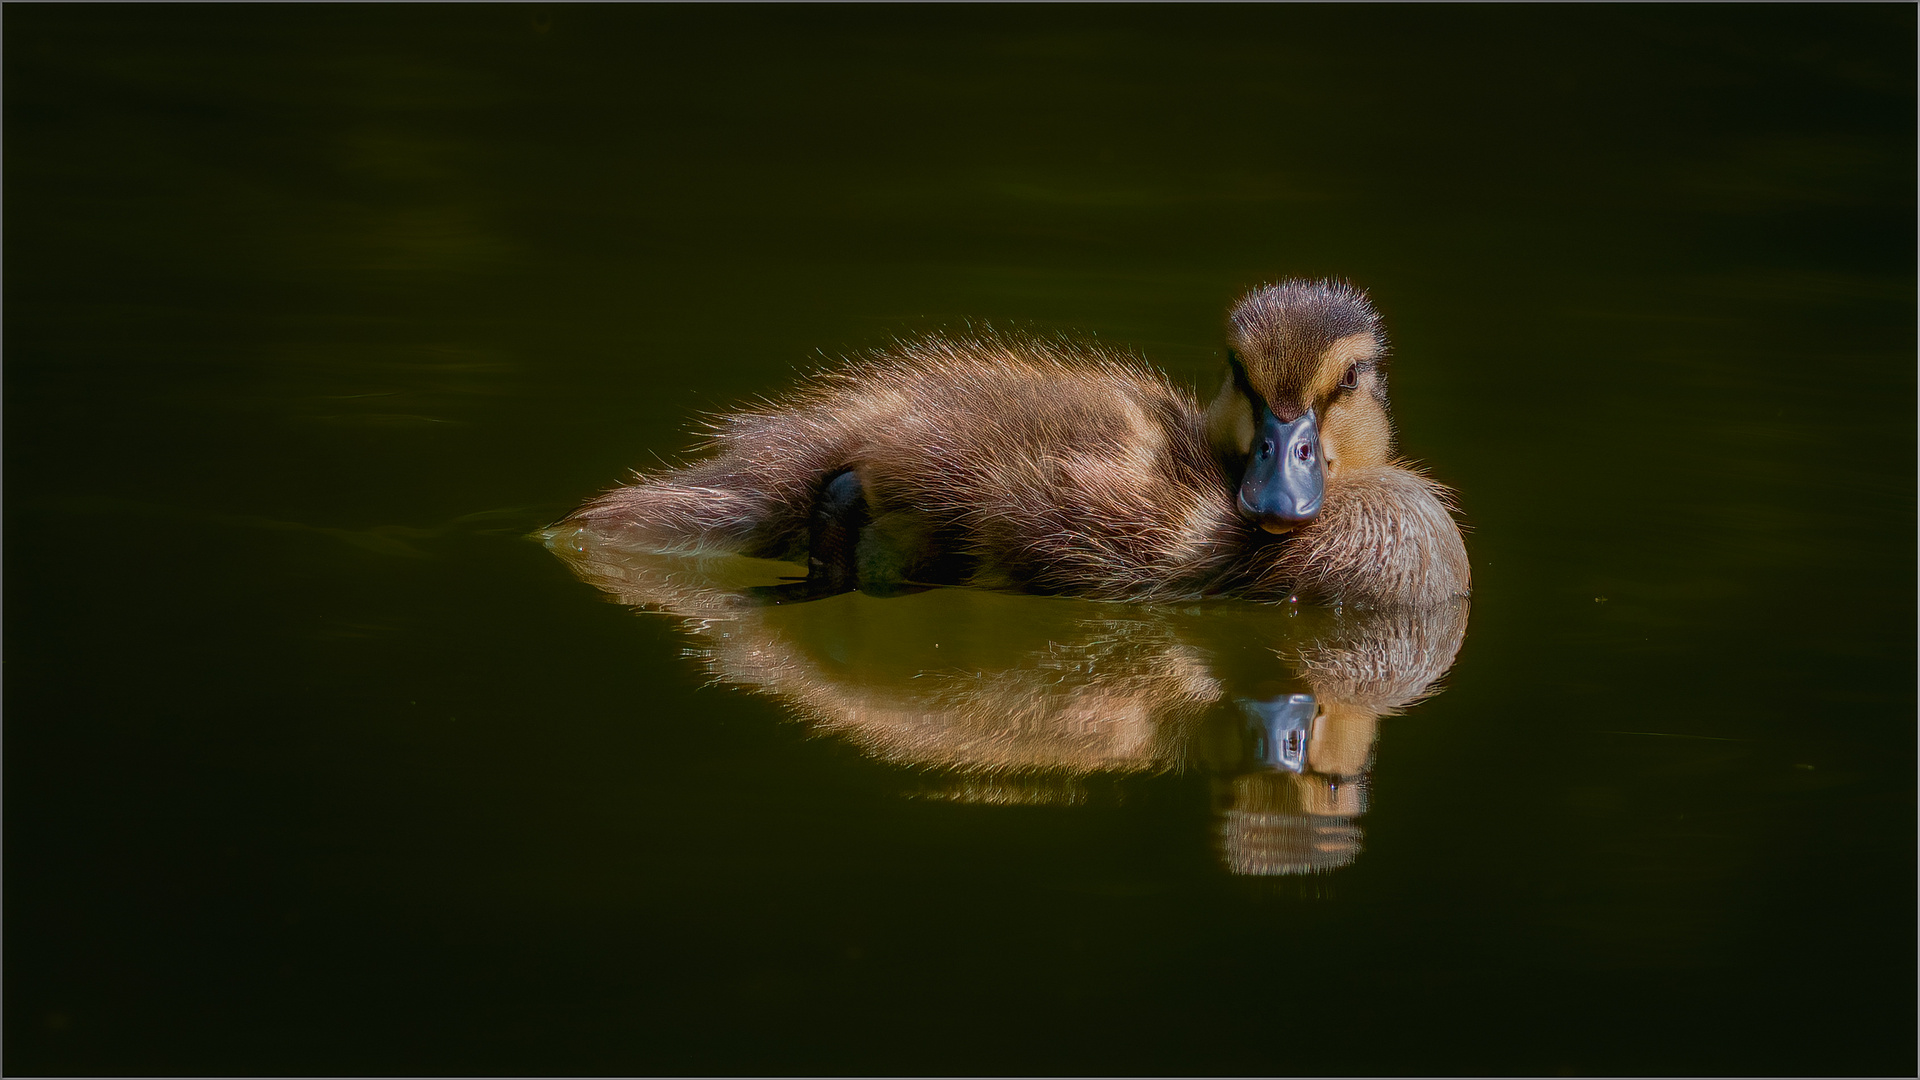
314,763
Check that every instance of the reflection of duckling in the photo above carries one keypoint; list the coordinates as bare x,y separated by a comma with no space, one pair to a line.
1048,467
1013,700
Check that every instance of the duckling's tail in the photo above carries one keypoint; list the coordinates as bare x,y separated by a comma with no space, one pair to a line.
753,497
709,507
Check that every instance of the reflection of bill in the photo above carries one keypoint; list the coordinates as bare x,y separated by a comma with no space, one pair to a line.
1020,699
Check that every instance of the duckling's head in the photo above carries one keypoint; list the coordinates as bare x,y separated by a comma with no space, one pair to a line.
1305,398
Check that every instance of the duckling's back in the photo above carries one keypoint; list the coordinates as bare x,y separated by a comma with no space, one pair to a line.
1002,462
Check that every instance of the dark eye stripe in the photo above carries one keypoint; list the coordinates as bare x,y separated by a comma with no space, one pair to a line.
1240,375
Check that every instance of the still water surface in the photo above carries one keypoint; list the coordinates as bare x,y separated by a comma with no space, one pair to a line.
316,762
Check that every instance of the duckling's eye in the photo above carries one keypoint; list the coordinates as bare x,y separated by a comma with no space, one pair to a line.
1352,378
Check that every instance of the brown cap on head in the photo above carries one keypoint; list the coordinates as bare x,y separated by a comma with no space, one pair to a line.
1285,335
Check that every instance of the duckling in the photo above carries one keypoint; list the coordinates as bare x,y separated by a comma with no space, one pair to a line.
1013,463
